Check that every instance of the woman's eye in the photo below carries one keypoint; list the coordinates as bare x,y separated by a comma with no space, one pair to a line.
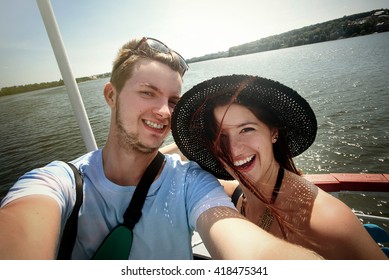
173,104
247,129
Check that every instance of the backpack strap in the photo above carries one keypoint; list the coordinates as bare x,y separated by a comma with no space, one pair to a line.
70,230
134,210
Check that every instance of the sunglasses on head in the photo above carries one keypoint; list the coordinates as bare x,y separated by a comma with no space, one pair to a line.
158,46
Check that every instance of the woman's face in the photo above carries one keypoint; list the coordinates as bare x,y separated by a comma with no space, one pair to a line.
251,141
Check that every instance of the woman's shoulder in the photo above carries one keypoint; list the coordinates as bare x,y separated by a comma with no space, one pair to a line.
332,215
340,231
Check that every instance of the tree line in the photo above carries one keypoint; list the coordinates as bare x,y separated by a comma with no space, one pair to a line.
375,21
31,87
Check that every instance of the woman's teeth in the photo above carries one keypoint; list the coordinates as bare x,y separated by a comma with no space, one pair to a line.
243,161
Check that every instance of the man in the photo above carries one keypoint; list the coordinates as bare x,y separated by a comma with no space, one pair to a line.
145,86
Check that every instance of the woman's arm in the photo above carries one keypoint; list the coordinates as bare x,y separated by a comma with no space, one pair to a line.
228,235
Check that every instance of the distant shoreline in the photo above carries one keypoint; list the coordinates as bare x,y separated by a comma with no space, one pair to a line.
37,86
376,21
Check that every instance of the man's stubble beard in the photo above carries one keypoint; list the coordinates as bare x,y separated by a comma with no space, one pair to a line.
130,141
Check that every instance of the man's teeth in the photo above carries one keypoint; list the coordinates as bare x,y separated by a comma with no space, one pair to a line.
154,125
243,161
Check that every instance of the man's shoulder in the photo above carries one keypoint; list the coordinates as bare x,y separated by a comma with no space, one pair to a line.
174,161
87,159
188,171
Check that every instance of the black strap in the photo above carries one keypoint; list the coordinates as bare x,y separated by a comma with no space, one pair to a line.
238,190
70,230
277,186
134,210
236,194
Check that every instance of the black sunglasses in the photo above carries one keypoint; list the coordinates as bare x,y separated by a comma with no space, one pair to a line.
158,46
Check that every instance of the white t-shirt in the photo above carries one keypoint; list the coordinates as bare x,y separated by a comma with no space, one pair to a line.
174,202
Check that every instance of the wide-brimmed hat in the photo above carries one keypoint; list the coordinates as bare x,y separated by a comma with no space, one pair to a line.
292,110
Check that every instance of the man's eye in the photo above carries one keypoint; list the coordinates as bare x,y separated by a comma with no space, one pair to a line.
147,93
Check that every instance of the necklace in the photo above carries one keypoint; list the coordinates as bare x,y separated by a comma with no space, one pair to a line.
267,218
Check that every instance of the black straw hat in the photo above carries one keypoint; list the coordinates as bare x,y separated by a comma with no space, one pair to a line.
293,111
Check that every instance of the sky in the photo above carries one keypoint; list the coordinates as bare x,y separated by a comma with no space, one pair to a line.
93,30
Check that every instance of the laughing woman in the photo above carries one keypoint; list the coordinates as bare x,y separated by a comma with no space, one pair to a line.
249,128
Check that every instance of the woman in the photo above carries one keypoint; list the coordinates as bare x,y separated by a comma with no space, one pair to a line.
249,128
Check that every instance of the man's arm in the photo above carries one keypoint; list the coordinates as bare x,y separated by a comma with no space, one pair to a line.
228,235
29,228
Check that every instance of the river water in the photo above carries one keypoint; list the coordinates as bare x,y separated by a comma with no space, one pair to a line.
345,81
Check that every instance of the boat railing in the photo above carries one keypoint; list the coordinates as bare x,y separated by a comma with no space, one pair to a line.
372,217
338,182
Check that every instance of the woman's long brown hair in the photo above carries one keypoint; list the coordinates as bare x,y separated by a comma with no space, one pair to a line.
220,145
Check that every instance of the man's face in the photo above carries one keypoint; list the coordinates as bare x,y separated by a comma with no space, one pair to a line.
145,105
